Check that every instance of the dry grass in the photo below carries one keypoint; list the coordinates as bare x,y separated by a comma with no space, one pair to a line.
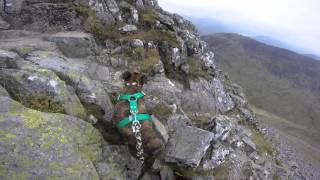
196,70
144,58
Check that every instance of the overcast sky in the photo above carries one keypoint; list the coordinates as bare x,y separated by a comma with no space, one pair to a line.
296,22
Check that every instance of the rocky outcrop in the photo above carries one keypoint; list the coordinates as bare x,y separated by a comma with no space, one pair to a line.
42,145
77,70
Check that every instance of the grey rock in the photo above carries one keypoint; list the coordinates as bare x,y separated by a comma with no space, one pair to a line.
137,43
166,20
77,74
74,44
163,88
219,155
3,92
250,146
107,11
8,59
256,158
14,34
13,6
178,149
40,145
117,163
133,16
206,96
24,46
128,28
139,4
3,24
221,126
28,86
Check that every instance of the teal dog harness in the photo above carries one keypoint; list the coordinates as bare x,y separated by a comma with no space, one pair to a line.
133,102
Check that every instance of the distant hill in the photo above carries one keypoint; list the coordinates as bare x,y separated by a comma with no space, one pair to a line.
277,80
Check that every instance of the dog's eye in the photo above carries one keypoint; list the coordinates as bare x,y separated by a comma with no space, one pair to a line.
127,84
134,84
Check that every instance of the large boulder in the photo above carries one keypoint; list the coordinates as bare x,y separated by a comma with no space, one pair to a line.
36,145
79,74
74,44
187,145
41,89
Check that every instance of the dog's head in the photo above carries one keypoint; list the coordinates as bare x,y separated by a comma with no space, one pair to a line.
133,81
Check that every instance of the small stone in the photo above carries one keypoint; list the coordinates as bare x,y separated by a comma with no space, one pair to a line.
137,43
128,28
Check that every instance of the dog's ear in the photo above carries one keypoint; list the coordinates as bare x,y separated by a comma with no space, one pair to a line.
143,79
126,75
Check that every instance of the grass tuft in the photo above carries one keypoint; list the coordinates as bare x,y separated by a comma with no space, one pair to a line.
144,58
196,70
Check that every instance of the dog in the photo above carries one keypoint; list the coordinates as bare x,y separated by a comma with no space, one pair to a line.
152,143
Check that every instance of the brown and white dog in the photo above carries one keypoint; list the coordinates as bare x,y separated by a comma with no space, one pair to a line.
152,143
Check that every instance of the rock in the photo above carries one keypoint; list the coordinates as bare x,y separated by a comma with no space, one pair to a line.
221,127
250,146
166,20
14,34
3,92
128,28
74,44
8,59
133,17
107,11
117,163
42,90
178,149
206,96
37,145
24,46
137,43
13,6
76,73
139,4
3,24
219,155
163,88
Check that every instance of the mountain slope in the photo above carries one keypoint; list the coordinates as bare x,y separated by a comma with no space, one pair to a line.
277,80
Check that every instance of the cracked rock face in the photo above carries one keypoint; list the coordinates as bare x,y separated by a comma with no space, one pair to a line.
79,75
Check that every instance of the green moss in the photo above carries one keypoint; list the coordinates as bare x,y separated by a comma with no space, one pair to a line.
196,70
6,136
276,177
42,103
24,161
32,118
17,175
2,171
144,58
25,50
263,145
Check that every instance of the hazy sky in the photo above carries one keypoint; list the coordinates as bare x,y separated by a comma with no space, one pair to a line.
296,22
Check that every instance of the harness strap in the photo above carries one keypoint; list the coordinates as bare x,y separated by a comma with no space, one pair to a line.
133,101
140,117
